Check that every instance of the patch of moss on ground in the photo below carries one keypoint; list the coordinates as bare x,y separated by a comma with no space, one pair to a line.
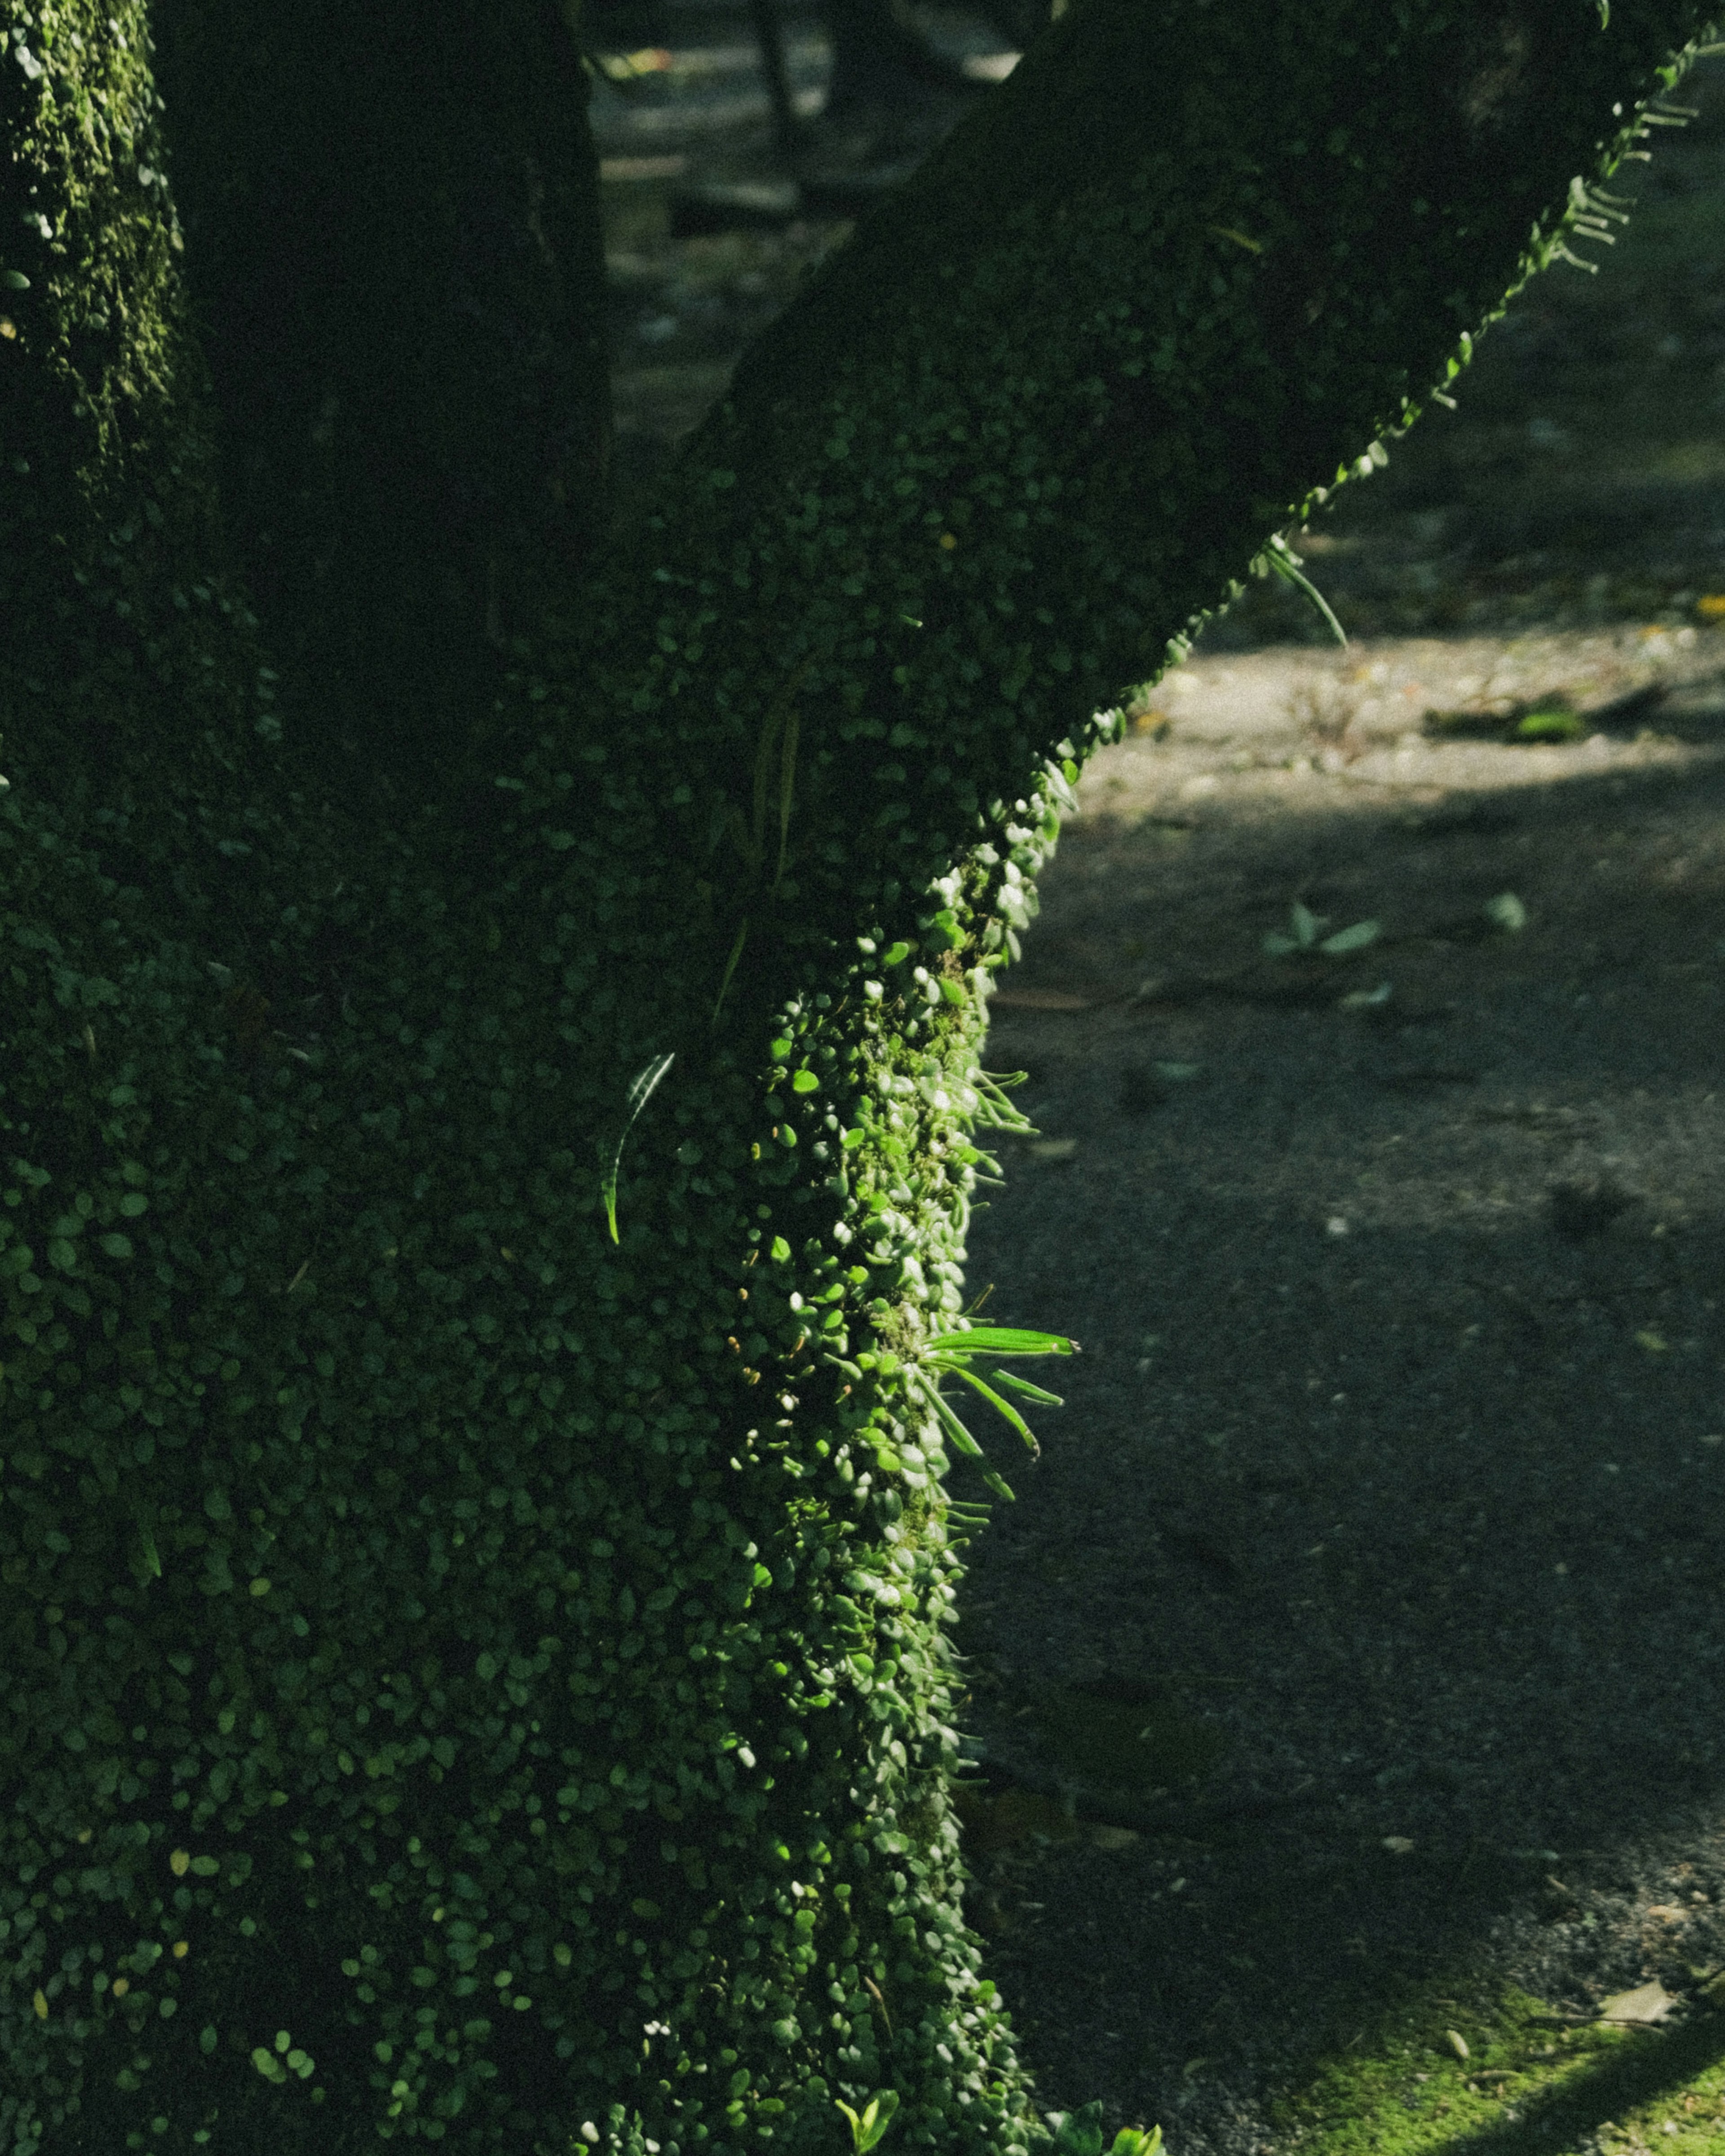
1532,2083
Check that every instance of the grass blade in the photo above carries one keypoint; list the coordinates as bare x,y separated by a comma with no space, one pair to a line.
640,1092
775,735
954,1429
786,789
1283,565
1001,1407
1024,1385
1004,1340
742,934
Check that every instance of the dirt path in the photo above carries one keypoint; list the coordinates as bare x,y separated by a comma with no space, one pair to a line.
1383,1497
1353,1654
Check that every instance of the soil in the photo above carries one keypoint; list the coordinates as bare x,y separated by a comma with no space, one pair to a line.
1360,1632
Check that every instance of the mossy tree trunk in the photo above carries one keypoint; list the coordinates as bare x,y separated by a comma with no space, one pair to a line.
465,1675
396,277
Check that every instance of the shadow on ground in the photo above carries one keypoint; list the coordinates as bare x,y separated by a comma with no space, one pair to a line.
1393,1462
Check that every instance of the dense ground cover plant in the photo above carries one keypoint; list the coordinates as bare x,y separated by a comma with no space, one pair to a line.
482,1255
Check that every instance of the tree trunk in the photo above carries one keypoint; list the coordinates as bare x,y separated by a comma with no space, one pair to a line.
472,1668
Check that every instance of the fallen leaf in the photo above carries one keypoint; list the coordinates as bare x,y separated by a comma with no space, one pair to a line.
1506,911
1355,939
1646,2003
1549,718
1398,1845
1551,722
1653,1343
1458,2043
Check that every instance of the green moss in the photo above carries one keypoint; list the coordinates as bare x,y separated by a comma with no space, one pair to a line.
513,1663
98,355
1532,2082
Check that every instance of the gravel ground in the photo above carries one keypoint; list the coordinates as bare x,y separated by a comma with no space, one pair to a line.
1358,1631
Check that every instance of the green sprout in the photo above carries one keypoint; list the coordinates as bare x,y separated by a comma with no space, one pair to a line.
1306,939
993,1111
950,1354
866,2131
640,1090
1080,2133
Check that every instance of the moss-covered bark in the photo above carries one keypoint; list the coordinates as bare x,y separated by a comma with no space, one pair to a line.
396,271
464,1675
